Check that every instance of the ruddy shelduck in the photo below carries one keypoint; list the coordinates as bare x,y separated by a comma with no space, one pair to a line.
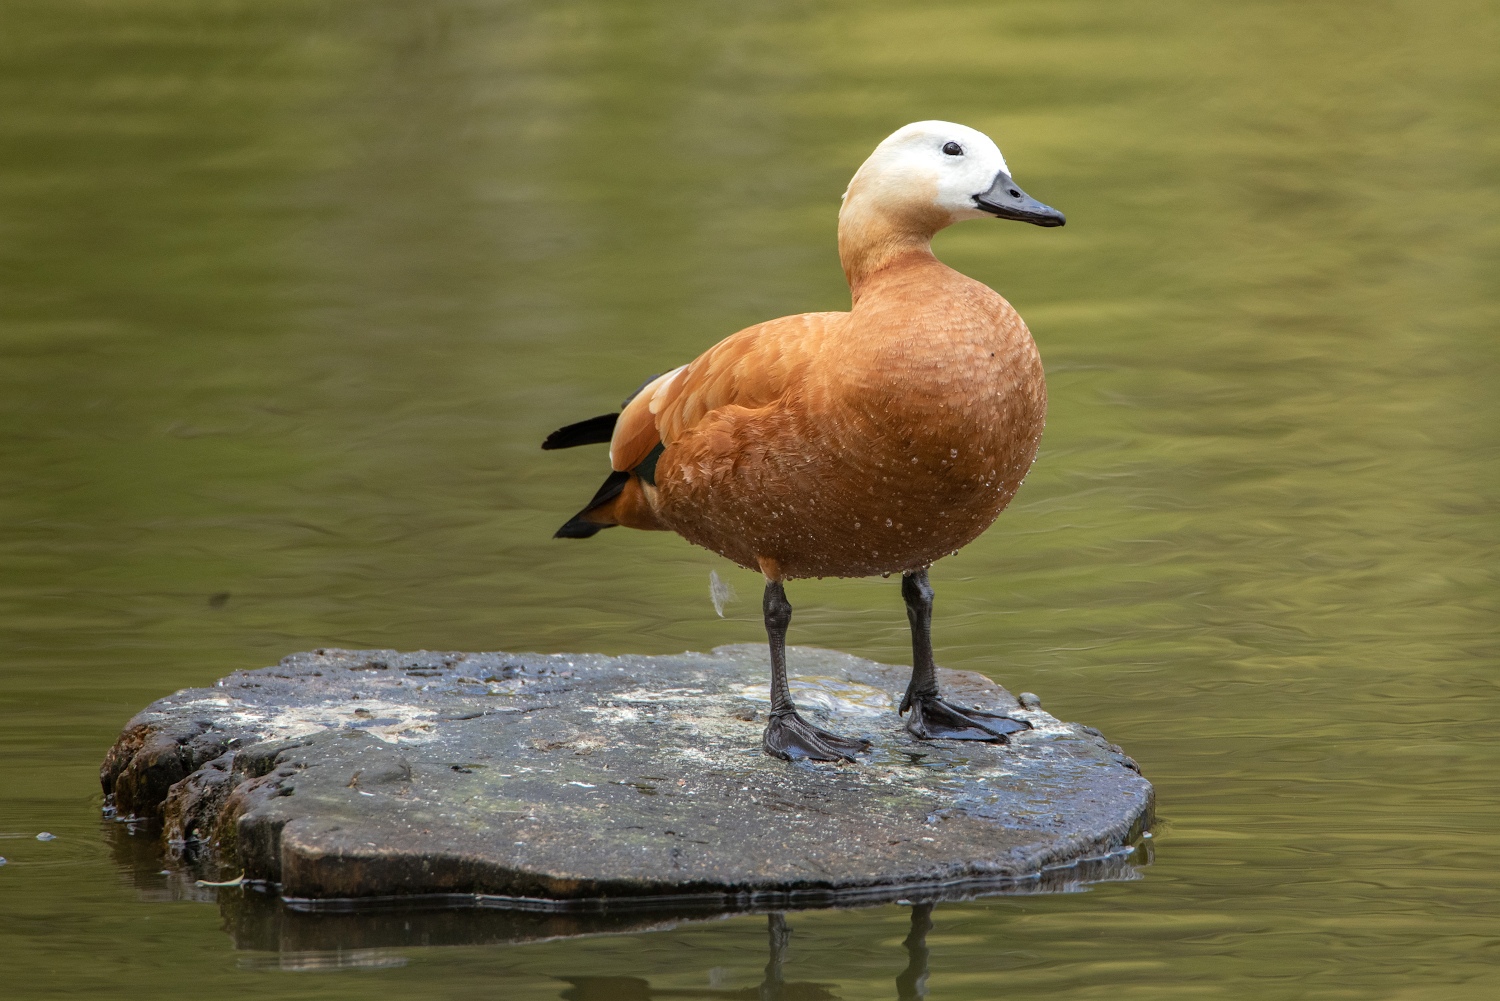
850,444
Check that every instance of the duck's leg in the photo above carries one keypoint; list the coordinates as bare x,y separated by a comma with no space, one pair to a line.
931,717
788,735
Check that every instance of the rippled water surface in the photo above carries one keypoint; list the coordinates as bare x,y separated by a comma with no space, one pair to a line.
291,289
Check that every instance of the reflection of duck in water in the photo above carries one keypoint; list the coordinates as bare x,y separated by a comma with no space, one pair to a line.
911,984
875,441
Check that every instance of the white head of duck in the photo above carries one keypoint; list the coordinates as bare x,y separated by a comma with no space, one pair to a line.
926,176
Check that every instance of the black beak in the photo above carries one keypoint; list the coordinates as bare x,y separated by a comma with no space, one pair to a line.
1007,201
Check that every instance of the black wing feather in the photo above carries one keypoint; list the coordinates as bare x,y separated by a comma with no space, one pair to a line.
594,431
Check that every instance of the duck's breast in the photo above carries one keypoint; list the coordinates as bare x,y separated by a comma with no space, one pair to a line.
909,431
952,390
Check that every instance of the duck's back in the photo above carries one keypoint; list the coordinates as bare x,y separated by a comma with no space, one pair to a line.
887,437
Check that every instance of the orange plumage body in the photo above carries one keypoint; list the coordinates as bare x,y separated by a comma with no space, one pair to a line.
844,444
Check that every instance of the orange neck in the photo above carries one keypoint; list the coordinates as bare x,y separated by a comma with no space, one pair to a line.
872,239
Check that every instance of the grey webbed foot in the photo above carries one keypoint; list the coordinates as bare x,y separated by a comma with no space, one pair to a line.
933,718
790,737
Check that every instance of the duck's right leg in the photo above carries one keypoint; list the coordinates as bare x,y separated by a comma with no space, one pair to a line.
933,717
788,735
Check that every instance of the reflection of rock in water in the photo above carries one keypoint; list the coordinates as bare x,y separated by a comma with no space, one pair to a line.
775,987
137,853
301,962
256,919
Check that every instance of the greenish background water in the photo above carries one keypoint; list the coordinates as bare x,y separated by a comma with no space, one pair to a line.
290,290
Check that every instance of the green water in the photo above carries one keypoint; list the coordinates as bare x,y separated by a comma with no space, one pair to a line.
290,290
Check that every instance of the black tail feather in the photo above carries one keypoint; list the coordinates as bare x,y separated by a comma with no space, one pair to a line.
578,527
594,431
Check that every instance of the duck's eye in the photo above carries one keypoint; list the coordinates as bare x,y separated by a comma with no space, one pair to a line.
953,149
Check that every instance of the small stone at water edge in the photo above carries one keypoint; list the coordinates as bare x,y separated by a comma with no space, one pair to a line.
1029,700
44,836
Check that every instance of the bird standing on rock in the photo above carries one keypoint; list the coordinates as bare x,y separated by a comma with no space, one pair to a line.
850,444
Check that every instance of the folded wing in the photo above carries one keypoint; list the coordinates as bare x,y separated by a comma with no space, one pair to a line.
752,369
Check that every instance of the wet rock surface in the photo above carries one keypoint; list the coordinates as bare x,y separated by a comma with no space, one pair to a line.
569,780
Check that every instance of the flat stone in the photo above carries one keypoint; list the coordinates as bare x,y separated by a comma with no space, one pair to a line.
558,781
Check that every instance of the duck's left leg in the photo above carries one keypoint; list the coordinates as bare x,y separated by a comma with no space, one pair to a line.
932,717
788,735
